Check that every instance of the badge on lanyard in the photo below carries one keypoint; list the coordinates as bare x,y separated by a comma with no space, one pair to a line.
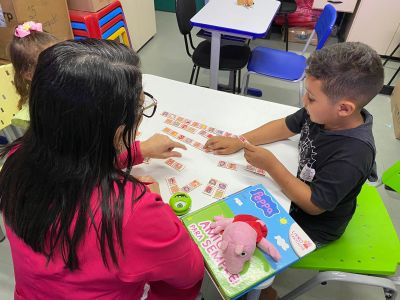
307,174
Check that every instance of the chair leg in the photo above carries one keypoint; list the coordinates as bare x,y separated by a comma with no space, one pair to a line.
301,92
323,277
2,235
240,75
234,82
246,78
191,76
286,38
197,75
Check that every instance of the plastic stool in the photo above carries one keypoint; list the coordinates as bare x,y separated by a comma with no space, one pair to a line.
103,24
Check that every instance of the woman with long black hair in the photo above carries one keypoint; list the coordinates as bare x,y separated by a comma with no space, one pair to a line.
79,224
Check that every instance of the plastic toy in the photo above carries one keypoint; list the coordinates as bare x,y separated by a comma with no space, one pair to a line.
180,203
240,237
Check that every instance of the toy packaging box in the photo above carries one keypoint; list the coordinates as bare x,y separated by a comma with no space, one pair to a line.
283,232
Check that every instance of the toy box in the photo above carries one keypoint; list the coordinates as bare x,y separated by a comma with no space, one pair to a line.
88,5
286,235
301,35
52,14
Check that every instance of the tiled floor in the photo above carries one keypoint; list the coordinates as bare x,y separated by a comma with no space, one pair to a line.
165,56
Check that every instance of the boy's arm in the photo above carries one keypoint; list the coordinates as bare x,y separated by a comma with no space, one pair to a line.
295,189
270,132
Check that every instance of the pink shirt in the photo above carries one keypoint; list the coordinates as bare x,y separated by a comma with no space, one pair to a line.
158,251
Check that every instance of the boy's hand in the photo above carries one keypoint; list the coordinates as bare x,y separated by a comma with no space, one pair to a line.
150,182
223,145
257,156
160,146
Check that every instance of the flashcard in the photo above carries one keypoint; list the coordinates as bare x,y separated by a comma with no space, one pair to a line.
219,194
172,185
167,130
243,139
209,189
227,165
222,186
191,186
255,170
212,181
174,164
215,188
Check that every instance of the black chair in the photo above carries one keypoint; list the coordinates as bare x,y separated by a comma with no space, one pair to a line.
287,7
232,57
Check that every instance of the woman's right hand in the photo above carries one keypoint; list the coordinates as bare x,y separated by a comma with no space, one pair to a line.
223,145
160,146
150,182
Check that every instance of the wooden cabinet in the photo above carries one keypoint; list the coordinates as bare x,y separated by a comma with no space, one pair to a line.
141,21
347,6
377,24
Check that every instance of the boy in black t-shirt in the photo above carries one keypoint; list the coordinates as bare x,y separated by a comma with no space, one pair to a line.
337,151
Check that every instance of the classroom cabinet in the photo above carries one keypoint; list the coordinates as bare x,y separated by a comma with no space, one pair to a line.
141,21
376,23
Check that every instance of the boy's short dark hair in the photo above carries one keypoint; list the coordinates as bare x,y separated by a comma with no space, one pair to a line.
347,70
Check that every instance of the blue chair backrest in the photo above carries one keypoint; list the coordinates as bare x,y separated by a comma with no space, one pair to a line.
324,25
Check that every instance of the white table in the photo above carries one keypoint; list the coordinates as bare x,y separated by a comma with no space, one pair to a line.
225,16
233,113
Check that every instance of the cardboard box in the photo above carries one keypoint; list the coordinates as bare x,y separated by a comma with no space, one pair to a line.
395,100
88,5
301,35
53,14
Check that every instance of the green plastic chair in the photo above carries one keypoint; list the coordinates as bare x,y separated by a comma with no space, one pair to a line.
367,253
391,177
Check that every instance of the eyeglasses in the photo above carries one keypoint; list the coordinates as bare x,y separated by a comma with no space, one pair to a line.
149,106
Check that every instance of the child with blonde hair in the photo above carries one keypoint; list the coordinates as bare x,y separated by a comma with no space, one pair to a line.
28,41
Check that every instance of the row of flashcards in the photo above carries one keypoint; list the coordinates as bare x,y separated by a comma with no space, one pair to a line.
174,164
184,139
183,126
256,170
174,188
234,167
194,124
215,188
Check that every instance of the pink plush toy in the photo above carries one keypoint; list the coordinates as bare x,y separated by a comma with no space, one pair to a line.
240,237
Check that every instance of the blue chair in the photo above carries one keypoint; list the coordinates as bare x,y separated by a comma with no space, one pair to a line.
289,66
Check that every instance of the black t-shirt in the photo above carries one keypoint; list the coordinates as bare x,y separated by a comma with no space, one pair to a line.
335,164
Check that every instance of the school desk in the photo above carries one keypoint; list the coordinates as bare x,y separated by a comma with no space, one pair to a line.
226,17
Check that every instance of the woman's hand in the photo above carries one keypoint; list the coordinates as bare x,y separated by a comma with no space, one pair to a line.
150,182
160,146
223,145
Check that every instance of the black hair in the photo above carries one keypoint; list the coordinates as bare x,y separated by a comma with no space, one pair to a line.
81,93
347,70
